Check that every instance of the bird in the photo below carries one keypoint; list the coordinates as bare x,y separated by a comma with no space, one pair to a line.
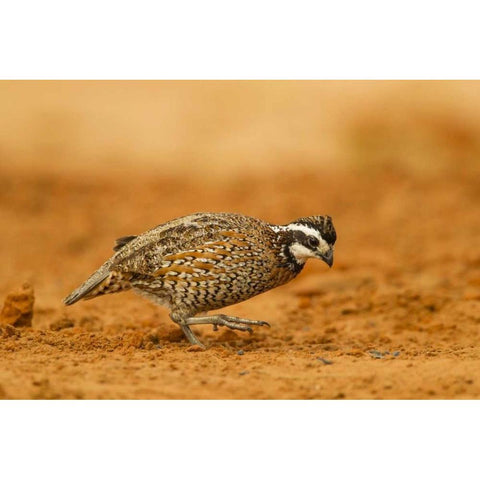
206,261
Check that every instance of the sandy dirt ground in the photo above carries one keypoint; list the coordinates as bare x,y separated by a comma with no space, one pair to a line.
397,317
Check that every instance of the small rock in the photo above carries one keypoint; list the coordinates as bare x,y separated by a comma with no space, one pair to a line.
244,372
240,352
18,307
149,346
61,324
304,301
195,348
375,354
11,331
349,309
396,354
324,361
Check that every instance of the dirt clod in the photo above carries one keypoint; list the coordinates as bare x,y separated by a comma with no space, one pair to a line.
62,323
18,307
9,331
195,348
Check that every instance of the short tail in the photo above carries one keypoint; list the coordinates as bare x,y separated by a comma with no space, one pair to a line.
83,291
101,282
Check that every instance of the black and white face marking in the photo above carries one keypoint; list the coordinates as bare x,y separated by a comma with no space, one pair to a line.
306,241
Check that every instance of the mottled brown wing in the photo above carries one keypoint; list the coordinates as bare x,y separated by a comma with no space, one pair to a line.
192,236
210,258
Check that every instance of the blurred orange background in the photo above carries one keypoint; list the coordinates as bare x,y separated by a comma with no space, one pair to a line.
219,127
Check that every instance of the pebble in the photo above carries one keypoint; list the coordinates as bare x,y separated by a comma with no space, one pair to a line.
240,352
195,348
11,331
61,324
377,354
324,361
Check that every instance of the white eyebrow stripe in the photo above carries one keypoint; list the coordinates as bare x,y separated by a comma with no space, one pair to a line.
323,245
303,228
297,227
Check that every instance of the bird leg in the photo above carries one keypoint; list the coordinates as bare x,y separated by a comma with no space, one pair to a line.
234,323
182,323
191,336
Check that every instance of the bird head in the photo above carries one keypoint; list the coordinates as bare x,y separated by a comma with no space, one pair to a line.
311,237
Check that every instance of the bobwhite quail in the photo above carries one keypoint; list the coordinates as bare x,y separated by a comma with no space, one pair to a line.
206,261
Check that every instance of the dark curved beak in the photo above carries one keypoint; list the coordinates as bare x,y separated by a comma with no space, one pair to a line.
327,257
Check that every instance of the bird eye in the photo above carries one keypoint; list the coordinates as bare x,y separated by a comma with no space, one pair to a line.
313,242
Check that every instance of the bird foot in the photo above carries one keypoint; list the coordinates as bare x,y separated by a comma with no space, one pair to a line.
234,323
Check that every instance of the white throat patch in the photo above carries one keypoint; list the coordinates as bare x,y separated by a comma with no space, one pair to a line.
300,252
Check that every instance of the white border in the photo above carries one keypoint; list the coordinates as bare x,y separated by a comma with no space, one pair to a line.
258,39
239,440
242,40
